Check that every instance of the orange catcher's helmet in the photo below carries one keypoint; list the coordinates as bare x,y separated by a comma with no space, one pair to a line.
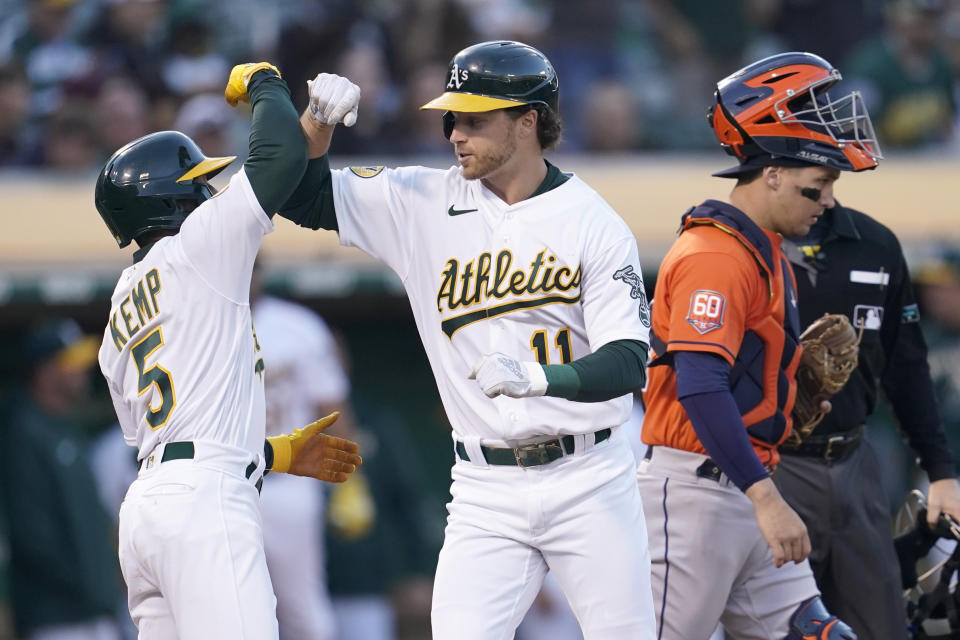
780,109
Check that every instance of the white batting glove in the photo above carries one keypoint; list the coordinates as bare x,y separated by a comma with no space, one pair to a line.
499,374
333,99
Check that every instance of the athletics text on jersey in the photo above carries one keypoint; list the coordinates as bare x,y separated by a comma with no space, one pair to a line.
535,280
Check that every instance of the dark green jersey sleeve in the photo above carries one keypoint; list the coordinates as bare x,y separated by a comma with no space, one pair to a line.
311,204
615,369
278,149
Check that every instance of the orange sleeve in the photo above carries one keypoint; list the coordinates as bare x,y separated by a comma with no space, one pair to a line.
710,301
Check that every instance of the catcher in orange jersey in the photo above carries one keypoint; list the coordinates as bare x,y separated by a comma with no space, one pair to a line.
726,350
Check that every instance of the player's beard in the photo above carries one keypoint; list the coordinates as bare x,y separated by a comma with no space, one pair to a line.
483,164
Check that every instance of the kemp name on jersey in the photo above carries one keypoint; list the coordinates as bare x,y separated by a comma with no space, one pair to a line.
143,299
488,278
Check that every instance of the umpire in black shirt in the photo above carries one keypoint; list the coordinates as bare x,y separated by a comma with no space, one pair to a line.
851,264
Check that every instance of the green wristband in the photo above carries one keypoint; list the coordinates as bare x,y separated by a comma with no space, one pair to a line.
563,381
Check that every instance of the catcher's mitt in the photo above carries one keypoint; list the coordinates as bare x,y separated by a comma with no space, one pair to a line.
831,347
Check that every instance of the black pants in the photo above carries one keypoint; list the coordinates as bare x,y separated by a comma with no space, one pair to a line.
845,509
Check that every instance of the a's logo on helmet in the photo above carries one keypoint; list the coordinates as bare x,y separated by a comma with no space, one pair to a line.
457,77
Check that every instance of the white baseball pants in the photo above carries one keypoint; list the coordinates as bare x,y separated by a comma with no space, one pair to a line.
580,516
191,549
292,509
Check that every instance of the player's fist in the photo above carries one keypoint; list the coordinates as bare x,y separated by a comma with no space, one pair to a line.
499,374
333,99
236,90
779,524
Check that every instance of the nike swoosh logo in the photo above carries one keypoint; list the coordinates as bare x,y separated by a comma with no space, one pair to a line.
457,212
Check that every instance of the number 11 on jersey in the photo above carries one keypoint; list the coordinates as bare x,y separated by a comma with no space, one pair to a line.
538,342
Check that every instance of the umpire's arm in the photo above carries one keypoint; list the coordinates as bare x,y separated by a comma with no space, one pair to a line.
906,379
907,383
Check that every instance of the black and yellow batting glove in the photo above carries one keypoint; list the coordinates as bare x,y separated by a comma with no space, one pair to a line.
240,76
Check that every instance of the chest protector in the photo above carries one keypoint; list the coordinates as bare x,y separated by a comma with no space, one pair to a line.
762,378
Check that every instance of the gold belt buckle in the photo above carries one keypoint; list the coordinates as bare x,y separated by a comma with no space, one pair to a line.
832,440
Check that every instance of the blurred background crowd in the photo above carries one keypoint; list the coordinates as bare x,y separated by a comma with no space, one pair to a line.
80,78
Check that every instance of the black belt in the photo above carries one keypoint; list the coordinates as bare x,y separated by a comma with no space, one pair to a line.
531,455
829,448
708,469
186,451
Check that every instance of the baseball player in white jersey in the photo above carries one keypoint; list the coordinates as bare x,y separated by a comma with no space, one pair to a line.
526,290
185,373
305,379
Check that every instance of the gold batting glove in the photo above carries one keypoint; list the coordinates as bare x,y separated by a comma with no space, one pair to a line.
236,90
311,453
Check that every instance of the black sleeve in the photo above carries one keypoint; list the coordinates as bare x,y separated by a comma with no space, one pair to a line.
267,457
615,369
278,150
906,378
311,204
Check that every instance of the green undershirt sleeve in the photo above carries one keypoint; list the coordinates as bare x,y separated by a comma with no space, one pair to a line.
615,369
311,204
278,149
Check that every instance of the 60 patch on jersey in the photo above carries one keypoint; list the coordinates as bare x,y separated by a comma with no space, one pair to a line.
706,310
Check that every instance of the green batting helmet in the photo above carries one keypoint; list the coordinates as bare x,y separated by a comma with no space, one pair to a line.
498,75
146,183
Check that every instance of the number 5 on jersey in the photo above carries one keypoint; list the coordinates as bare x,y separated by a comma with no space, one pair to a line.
155,375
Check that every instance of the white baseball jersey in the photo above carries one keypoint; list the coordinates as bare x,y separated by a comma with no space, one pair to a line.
179,352
303,369
302,372
549,279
